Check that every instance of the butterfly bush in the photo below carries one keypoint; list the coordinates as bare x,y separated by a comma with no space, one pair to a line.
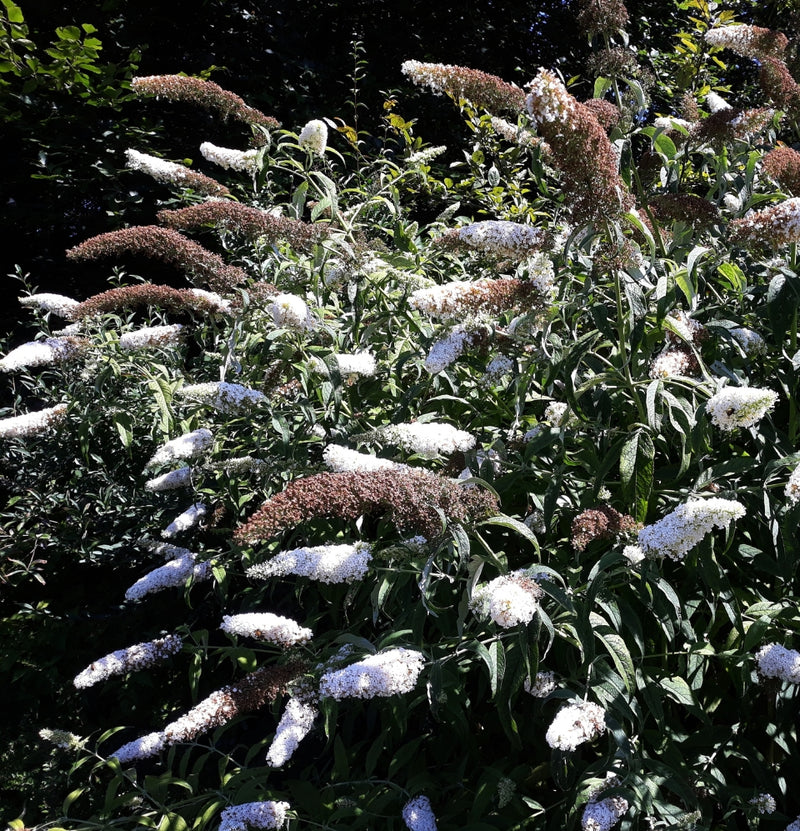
465,432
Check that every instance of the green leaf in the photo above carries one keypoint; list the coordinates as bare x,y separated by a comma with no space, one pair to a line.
14,12
677,689
617,649
636,472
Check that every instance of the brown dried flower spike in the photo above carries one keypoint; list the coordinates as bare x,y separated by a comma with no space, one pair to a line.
245,220
601,523
145,294
205,94
783,165
165,245
411,499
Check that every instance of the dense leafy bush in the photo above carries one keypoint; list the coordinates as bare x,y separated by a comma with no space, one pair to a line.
453,483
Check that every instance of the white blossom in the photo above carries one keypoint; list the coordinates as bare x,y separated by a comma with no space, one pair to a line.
678,532
172,480
745,40
343,460
220,304
633,554
793,486
256,815
265,626
62,738
335,563
425,156
794,826
295,724
357,363
58,304
29,424
734,407
716,103
242,160
291,312
578,722
497,367
152,337
751,342
446,350
429,439
387,673
542,685
160,169
776,661
42,353
509,599
176,572
222,396
141,748
418,814
501,237
188,446
185,521
548,99
669,122
138,656
314,136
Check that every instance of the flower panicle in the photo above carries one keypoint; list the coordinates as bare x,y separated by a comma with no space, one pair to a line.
30,424
138,656
580,148
162,244
604,17
249,222
205,94
783,165
149,294
749,41
480,88
411,499
172,173
487,295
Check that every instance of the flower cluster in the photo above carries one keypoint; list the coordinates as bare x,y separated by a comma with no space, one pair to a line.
783,165
152,337
176,572
295,724
29,424
358,363
138,656
428,439
411,499
542,685
291,312
185,521
245,161
264,626
580,149
578,722
748,41
779,85
763,803
425,156
418,814
57,304
604,814
141,748
483,90
202,93
511,132
342,460
484,295
256,815
62,738
601,523
222,396
734,407
674,361
509,599
776,661
314,137
147,294
678,532
731,124
448,349
170,481
773,226
751,342
497,368
162,244
792,490
499,238
685,207
601,16
376,676
42,353
335,563
174,174
249,222
188,446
